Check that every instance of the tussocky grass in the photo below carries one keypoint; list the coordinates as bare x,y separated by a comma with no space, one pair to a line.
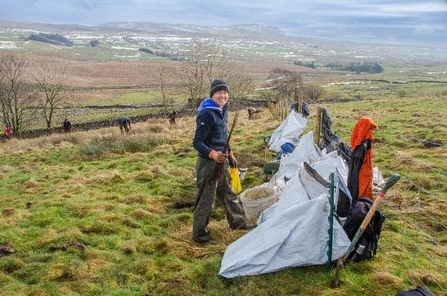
92,213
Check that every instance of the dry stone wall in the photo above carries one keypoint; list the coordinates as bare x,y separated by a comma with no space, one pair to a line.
86,126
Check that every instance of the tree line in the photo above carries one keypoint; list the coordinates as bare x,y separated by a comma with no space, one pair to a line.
371,68
51,38
27,97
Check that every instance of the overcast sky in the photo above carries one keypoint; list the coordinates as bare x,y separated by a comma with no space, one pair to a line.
421,22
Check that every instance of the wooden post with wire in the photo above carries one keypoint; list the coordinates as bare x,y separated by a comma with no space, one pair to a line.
298,94
318,126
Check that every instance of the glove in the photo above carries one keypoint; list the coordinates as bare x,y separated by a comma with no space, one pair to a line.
232,161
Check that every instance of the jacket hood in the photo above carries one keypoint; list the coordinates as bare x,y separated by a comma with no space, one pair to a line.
363,130
208,103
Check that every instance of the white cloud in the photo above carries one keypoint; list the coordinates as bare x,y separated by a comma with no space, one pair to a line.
417,8
424,29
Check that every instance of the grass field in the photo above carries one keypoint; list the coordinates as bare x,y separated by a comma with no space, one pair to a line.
93,213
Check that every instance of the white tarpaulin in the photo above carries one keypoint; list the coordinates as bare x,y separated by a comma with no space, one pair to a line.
297,237
289,131
304,151
294,231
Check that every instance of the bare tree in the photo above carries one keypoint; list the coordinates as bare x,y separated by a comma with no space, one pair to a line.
313,92
284,81
196,68
162,80
207,61
50,78
289,89
163,74
240,82
18,98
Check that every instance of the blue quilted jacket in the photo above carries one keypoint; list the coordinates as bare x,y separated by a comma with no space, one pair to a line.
211,128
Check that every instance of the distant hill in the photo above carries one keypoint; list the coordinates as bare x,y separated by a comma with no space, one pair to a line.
120,40
236,31
247,31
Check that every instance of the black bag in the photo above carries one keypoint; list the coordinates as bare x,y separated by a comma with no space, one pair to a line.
419,291
366,246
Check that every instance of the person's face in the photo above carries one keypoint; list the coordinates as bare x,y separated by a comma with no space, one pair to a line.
220,98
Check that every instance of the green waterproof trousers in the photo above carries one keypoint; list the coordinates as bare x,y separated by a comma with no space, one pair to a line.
206,193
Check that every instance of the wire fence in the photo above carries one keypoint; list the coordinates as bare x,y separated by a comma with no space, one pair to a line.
415,230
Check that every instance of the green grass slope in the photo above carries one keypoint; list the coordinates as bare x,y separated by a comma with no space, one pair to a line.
94,213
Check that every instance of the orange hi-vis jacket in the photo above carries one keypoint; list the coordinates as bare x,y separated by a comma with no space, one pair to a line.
361,139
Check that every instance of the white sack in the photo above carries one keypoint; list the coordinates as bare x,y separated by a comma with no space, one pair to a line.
295,237
289,130
303,186
304,151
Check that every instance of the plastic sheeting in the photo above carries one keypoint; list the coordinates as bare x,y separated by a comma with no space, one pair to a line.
294,231
289,131
305,151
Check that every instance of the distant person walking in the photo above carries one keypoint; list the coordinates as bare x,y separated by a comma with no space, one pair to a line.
124,124
173,117
8,132
67,126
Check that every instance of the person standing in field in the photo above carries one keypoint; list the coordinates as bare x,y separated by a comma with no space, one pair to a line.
209,140
8,132
124,124
67,126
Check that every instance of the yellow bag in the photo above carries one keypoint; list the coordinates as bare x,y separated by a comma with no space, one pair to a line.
235,180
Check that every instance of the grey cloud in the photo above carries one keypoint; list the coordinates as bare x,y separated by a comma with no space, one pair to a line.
381,20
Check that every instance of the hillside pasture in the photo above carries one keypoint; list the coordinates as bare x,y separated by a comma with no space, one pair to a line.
93,213
97,213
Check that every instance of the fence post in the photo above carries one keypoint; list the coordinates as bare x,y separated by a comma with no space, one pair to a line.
318,125
331,224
